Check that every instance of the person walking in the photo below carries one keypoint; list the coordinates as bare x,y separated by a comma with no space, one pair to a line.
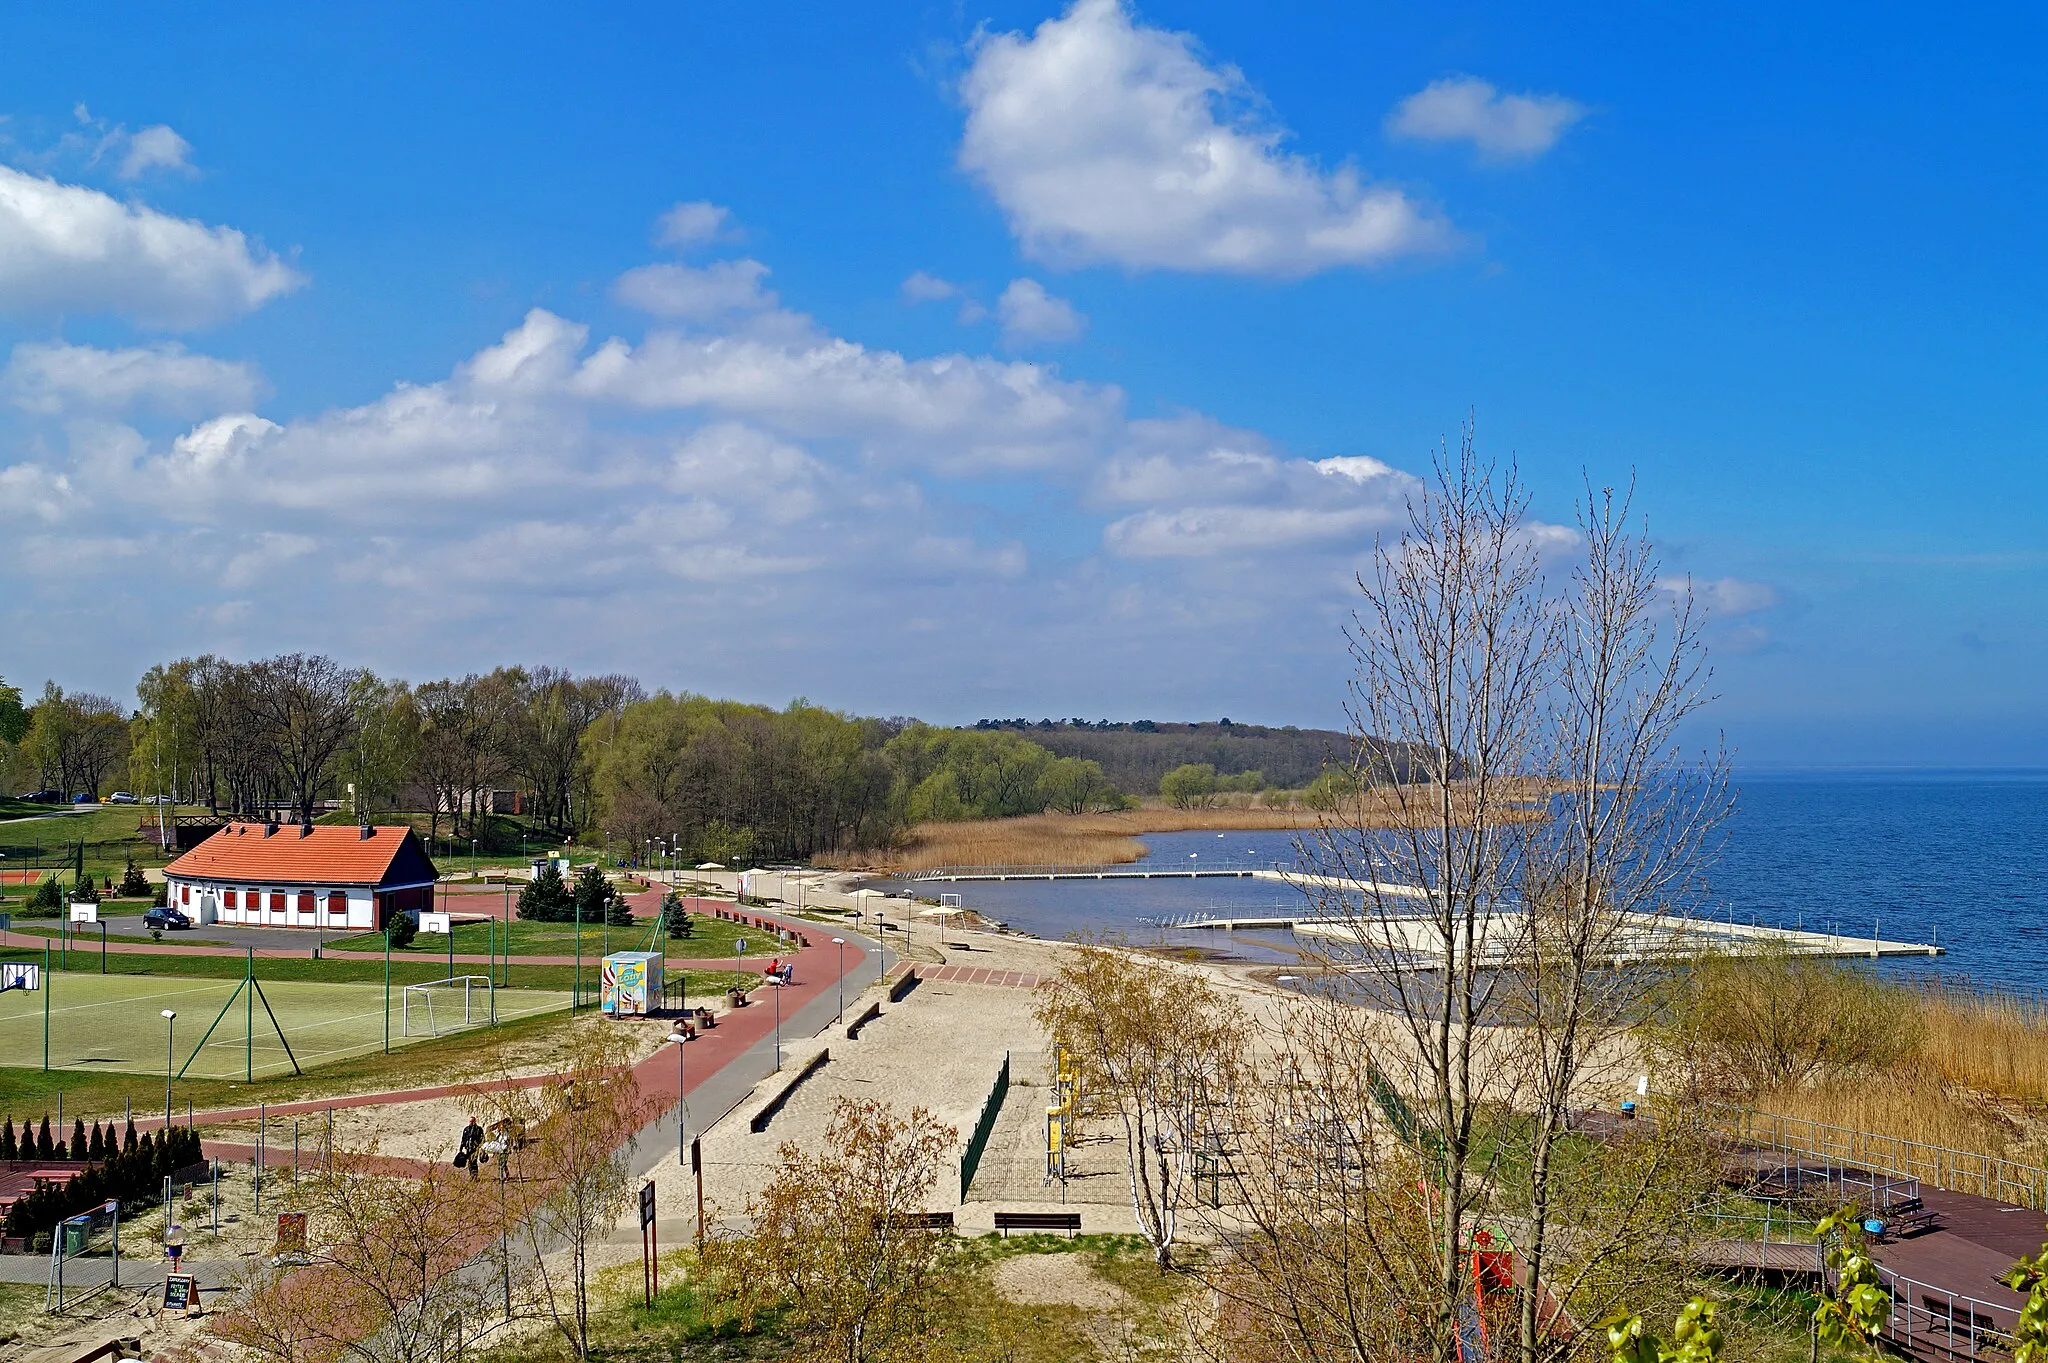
472,1142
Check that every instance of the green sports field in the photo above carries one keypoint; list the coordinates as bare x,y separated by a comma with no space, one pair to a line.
115,1022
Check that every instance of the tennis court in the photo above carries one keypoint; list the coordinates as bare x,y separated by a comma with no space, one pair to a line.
115,1022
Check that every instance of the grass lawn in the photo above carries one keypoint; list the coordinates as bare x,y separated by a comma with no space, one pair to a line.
100,1093
418,968
709,937
113,1022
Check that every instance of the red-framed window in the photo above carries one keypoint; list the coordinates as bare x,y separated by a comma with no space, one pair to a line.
228,900
337,903
184,894
305,901
277,901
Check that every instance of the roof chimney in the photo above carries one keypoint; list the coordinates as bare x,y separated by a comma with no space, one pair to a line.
269,828
305,830
365,833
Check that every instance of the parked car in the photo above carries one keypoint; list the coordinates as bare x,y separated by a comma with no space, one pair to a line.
164,916
85,798
44,797
121,797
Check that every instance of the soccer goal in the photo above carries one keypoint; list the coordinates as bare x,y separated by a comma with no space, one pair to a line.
470,995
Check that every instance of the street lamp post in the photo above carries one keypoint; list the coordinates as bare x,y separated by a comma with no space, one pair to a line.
170,1054
840,942
682,1099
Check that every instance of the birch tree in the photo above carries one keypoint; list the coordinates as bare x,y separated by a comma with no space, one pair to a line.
1162,1049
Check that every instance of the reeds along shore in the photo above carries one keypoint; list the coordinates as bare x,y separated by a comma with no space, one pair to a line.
1977,1079
1108,839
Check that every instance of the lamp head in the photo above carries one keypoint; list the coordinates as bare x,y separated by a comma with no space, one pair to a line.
169,1014
838,941
677,1037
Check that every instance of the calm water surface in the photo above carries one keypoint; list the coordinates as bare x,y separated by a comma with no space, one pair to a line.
1960,857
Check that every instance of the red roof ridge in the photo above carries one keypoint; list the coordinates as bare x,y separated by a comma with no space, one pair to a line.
332,854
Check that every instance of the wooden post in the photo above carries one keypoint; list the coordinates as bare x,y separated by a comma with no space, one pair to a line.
697,1168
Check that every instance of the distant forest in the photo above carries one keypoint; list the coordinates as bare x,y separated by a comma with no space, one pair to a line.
1135,754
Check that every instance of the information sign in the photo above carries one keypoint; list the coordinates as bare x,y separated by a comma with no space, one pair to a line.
181,1294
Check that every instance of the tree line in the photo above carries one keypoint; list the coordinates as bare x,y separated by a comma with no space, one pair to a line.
294,736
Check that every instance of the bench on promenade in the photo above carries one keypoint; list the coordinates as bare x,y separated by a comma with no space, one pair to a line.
1904,1218
1068,1223
923,1220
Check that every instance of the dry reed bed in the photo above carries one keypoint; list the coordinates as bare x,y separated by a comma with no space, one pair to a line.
1109,839
1063,839
1976,1080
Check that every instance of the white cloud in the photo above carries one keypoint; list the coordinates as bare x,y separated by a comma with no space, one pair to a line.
1107,141
1724,597
69,248
1467,109
1212,491
928,288
51,377
156,147
32,490
691,224
956,413
269,552
697,295
1029,314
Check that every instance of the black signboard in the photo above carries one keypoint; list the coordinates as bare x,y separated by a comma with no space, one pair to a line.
646,1205
181,1294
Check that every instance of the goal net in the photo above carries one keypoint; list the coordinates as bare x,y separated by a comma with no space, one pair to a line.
444,1005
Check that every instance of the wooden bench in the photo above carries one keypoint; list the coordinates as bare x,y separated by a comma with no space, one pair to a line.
1908,1217
935,1221
1068,1223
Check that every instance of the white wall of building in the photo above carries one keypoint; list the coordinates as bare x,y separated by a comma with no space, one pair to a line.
191,895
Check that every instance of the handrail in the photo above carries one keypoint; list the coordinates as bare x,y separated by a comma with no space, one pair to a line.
1961,1171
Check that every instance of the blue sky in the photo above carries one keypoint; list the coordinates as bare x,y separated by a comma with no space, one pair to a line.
1020,360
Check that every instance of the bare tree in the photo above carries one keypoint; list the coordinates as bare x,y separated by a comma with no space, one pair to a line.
1453,649
385,1279
1630,823
571,1170
306,705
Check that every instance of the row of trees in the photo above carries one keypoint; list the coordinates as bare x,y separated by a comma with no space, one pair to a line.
713,780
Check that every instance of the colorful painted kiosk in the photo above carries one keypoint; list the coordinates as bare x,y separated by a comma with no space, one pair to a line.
632,983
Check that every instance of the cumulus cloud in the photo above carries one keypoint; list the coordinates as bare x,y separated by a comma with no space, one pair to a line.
698,295
1106,141
920,287
54,377
1467,109
156,147
691,224
1211,491
1030,315
68,248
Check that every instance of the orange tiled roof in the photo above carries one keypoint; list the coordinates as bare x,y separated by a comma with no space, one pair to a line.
327,855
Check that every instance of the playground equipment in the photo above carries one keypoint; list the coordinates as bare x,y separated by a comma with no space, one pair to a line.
1063,1117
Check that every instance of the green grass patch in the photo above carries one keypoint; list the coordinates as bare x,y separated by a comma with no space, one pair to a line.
710,938
84,961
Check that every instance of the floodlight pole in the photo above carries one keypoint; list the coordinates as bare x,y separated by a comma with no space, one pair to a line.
776,990
170,1055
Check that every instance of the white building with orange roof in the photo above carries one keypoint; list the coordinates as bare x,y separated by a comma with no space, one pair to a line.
303,876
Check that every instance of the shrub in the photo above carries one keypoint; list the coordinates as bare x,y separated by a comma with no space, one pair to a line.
675,915
402,929
160,896
85,892
134,884
48,898
1758,1022
546,899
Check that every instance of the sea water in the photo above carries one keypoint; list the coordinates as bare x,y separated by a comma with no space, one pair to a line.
1958,857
